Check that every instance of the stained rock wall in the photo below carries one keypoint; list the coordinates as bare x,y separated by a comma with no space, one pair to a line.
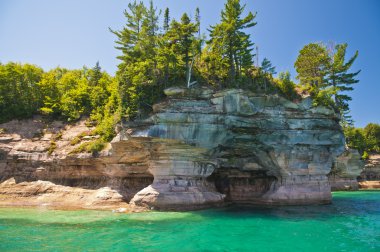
259,149
202,148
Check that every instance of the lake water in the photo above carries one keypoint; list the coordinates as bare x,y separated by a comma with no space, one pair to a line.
351,223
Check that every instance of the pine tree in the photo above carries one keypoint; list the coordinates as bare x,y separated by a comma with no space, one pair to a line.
325,75
129,36
129,43
198,24
230,43
340,79
95,75
181,43
198,21
312,67
166,20
267,68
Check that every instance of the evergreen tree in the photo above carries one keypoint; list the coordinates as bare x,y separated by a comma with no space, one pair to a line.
187,41
129,36
95,75
198,20
339,78
166,20
230,46
130,44
181,46
312,67
267,68
198,24
326,76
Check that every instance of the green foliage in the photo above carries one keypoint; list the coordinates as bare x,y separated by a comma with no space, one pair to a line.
166,19
75,141
57,136
151,61
311,66
60,93
372,136
286,86
364,140
20,95
355,138
267,68
52,147
90,147
340,79
154,58
324,74
365,155
229,53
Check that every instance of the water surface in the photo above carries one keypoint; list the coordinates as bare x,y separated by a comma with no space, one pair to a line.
351,223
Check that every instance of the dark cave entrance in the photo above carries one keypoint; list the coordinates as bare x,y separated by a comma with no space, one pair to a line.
241,186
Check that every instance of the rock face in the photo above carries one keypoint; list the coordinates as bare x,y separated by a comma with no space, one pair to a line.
241,146
345,171
202,148
47,194
25,158
370,176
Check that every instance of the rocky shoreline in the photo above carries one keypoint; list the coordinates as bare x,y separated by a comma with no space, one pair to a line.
200,148
46,194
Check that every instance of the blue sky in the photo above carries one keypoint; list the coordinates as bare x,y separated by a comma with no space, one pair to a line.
73,33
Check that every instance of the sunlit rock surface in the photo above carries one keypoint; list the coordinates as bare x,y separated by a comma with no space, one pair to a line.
202,148
255,149
345,171
370,176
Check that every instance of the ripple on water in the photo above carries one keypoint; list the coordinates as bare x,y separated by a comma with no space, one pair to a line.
351,223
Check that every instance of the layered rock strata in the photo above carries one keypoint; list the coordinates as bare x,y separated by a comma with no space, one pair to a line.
47,194
345,171
257,149
370,176
202,148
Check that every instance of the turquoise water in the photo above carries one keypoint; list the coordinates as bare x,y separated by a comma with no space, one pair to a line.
351,223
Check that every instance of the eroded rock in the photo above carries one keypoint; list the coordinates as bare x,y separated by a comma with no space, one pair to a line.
370,176
265,150
345,171
200,148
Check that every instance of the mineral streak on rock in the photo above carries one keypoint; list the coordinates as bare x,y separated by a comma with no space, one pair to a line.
202,148
259,149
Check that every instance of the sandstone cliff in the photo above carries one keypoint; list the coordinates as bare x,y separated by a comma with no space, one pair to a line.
345,171
370,176
200,148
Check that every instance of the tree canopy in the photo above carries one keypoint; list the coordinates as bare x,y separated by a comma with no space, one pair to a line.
366,139
158,53
324,74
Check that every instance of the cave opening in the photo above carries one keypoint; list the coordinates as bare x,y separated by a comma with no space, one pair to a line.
241,186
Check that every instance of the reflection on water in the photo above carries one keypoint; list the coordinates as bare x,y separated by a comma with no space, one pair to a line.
351,223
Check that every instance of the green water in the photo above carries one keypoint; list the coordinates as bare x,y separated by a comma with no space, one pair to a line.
351,223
